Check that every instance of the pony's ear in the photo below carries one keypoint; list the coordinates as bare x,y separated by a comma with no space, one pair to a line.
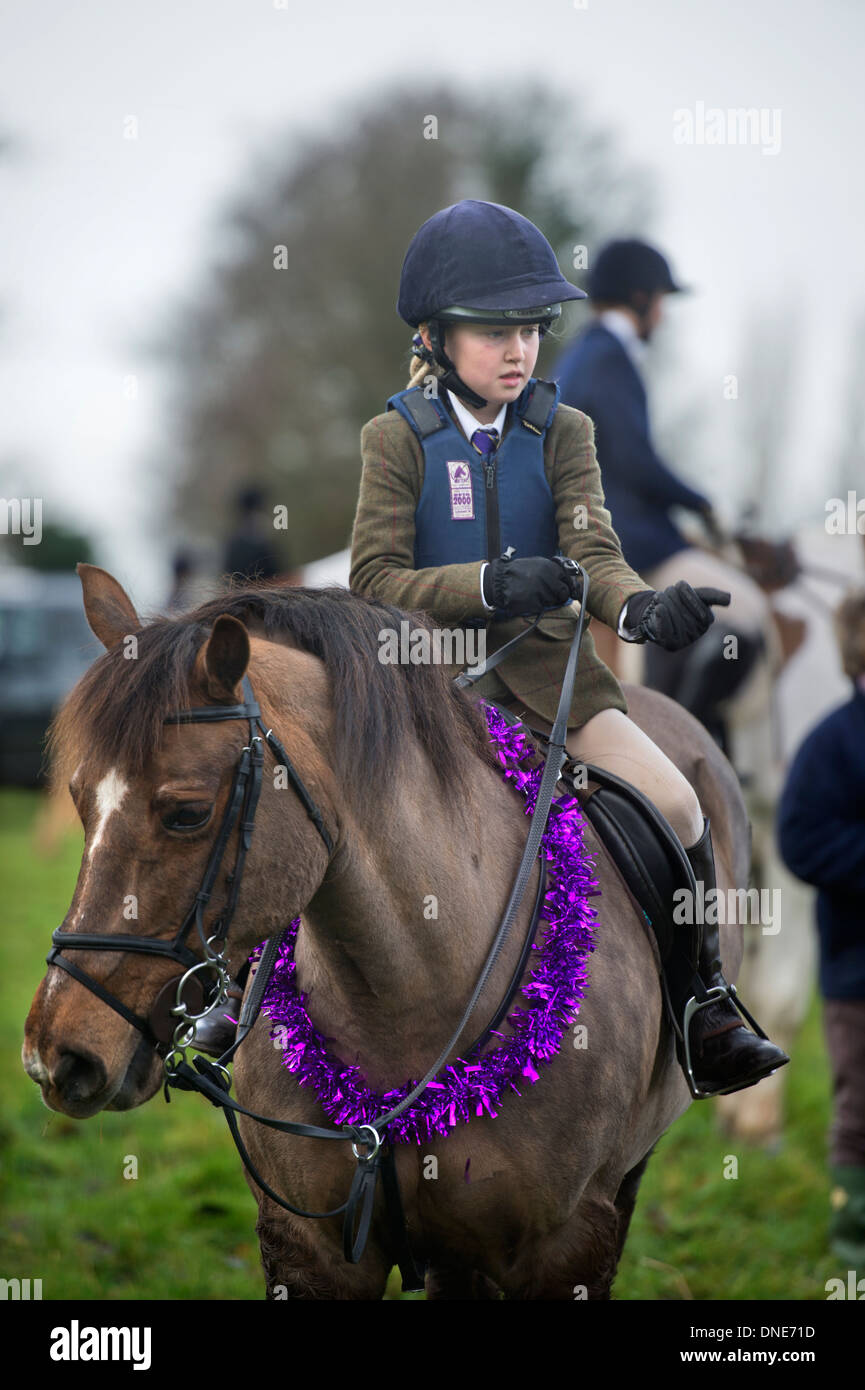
223,659
110,611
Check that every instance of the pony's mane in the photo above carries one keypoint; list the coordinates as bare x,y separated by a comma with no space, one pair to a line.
114,715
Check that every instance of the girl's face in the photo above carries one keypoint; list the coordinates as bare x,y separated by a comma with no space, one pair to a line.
493,360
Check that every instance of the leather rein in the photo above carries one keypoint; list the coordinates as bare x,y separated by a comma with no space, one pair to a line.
170,1028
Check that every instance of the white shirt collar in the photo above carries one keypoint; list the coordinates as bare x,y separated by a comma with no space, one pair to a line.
470,423
622,326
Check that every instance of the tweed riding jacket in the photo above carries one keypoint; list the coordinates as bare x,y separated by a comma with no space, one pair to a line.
382,559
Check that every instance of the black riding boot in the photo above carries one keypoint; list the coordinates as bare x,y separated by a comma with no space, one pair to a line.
724,1055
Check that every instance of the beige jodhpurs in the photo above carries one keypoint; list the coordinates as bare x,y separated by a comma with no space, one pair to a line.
613,741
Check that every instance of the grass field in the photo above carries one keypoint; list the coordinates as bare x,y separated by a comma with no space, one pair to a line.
184,1228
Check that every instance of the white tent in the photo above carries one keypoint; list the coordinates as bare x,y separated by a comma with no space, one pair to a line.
332,569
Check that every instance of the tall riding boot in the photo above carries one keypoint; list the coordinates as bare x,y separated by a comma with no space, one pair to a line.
711,677
704,690
716,1051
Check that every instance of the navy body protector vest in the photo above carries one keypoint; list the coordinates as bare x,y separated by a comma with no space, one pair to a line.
472,508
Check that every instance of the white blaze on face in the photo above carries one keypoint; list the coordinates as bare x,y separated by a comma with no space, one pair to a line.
109,794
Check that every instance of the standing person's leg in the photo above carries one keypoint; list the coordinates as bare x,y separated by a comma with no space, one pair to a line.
844,1030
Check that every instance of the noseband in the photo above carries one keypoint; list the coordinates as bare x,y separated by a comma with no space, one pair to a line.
167,1027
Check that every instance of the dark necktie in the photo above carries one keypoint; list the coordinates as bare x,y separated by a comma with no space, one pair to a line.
486,441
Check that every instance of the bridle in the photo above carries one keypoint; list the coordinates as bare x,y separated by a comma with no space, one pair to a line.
171,1030
167,1027
192,1001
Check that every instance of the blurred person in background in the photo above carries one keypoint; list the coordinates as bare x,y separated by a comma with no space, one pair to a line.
821,833
183,571
250,558
250,553
600,373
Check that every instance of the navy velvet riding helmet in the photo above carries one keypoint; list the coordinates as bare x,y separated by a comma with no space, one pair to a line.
476,262
476,255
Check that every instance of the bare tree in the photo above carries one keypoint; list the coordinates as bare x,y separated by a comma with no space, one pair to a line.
291,340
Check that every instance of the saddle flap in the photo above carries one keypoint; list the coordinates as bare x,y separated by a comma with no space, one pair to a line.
639,839
641,843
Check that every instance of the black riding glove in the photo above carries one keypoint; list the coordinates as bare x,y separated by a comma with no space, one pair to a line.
674,617
518,587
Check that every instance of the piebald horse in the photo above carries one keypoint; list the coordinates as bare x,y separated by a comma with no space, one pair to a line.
532,1204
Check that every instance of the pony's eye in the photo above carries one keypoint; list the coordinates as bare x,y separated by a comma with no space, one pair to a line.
189,817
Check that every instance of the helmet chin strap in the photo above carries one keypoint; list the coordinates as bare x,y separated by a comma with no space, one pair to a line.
640,304
450,380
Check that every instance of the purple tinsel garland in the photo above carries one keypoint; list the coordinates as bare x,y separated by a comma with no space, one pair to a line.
554,990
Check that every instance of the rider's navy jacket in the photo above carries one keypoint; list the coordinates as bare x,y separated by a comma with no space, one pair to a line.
597,376
821,836
473,508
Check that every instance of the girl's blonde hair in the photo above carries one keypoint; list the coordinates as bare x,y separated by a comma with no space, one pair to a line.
419,369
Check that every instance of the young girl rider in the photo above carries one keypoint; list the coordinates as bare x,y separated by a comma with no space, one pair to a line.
472,481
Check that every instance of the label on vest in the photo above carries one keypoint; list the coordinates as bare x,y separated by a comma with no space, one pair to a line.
462,497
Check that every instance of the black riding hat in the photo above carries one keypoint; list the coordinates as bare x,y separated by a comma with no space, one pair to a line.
626,267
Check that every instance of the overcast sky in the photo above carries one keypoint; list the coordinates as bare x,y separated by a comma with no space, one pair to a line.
102,234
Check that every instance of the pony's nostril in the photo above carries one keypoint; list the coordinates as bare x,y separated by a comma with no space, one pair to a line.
79,1077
